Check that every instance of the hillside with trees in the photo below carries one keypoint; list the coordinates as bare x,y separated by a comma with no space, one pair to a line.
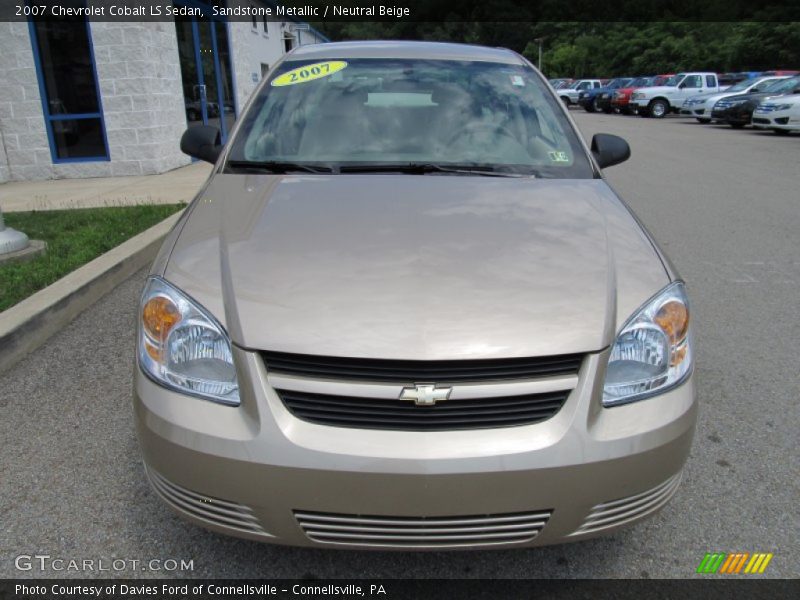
582,49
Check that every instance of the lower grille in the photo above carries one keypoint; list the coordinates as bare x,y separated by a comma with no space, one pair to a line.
212,510
371,413
422,532
618,512
760,121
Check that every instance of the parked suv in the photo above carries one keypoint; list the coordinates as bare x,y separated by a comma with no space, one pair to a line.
569,94
660,101
407,311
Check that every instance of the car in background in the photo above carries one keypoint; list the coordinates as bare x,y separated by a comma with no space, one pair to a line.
589,99
622,97
782,115
783,72
700,106
569,94
737,111
659,101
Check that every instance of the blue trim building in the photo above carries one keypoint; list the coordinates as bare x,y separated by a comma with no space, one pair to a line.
82,98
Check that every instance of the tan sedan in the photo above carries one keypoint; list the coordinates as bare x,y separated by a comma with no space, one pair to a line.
407,311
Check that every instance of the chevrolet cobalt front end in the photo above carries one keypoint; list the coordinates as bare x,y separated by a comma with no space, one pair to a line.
407,312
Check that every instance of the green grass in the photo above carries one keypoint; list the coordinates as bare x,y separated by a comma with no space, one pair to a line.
74,237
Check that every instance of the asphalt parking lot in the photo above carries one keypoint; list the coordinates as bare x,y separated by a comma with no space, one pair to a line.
723,203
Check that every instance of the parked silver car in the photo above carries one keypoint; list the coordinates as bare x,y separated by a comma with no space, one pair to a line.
407,311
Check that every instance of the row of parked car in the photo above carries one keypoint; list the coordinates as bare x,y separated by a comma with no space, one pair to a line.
769,100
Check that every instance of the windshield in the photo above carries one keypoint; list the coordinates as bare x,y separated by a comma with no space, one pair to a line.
674,80
615,84
640,82
742,85
338,114
783,85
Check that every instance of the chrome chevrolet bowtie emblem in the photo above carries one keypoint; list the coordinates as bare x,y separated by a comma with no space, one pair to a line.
425,395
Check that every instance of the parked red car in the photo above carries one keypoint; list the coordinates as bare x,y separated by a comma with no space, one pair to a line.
622,96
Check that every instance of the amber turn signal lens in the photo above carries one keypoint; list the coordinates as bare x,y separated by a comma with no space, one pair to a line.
673,318
159,316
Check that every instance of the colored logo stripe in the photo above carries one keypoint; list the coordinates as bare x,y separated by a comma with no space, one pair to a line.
724,563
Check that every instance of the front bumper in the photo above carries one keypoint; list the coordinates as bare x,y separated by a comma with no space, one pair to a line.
258,472
734,114
694,111
776,120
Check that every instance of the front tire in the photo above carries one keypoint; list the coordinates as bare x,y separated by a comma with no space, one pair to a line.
737,125
658,108
565,100
780,131
704,121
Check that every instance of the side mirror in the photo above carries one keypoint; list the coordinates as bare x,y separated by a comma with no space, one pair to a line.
610,150
681,86
203,142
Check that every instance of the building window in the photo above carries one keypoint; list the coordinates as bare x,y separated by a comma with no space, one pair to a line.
68,87
264,70
288,43
266,28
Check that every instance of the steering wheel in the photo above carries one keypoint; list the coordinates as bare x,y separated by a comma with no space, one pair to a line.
479,126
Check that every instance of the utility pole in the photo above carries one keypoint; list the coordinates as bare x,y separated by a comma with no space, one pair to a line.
540,41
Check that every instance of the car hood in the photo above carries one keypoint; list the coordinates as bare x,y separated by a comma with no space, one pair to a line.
755,97
405,266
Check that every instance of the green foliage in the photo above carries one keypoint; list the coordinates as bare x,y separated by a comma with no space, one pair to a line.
585,49
74,237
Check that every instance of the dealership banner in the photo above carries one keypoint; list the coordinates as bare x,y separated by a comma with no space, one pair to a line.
349,589
321,11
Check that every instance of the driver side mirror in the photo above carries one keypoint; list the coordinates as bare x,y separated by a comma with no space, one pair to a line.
610,150
681,86
203,142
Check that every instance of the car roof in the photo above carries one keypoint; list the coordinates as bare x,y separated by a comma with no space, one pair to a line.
400,49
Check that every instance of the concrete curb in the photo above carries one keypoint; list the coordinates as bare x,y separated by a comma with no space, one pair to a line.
27,325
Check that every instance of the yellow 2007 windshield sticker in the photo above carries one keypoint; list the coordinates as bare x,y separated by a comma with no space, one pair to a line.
309,73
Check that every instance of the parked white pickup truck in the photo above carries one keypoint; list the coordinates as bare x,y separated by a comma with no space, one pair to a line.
659,101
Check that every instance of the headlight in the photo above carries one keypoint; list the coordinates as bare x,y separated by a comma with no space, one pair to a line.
637,96
782,107
653,350
182,347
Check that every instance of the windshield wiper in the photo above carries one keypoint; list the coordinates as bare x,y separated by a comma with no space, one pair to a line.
424,168
272,166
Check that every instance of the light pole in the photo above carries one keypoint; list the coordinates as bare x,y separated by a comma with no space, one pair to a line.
540,41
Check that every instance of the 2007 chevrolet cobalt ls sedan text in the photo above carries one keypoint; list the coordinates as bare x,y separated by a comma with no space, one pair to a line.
407,311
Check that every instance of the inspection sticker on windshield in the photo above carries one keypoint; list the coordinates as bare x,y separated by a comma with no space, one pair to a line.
517,80
309,73
559,156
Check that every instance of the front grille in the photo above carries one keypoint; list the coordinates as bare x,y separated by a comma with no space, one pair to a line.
404,415
723,104
422,532
211,510
618,512
419,371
